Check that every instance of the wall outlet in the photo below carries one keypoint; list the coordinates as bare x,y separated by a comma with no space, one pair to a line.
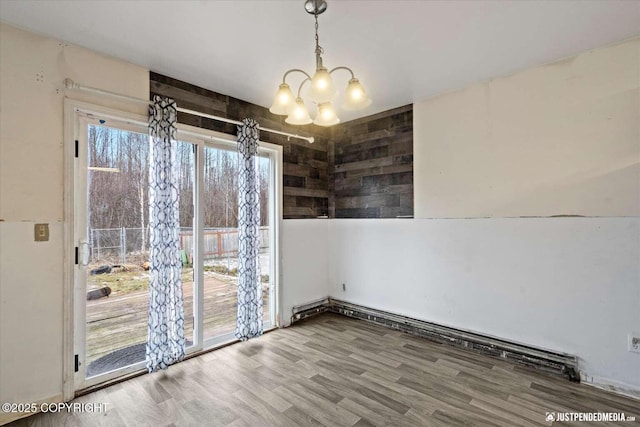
41,232
634,342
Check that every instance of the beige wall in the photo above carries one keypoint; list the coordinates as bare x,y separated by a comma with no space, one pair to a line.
560,139
32,70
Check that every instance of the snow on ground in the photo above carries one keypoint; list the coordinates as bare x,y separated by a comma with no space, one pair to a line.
232,263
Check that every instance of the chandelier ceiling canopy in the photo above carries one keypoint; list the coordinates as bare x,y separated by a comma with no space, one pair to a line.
321,91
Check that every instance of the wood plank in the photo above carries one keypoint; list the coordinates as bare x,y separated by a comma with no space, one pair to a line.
365,164
336,371
189,99
372,201
305,192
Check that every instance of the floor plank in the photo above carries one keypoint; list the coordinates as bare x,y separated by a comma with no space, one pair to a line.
336,371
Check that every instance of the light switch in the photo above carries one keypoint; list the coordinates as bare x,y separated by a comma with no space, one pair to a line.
41,232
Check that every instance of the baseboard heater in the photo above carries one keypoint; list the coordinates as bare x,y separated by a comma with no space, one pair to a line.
556,363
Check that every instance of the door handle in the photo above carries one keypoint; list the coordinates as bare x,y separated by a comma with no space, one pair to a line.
84,253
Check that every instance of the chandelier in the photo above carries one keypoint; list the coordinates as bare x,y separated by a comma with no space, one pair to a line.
321,90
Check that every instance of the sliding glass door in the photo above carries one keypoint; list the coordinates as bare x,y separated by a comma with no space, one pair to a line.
111,217
111,241
220,232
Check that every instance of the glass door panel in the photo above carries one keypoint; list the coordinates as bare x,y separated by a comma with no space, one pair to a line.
220,248
264,174
111,232
220,251
116,222
185,158
113,220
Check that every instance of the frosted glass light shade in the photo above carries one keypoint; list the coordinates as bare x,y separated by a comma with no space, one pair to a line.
283,100
322,89
298,115
327,115
355,98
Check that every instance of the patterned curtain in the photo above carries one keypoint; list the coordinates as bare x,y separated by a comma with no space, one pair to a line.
249,322
165,336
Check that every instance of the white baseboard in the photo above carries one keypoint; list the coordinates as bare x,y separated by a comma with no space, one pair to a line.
614,386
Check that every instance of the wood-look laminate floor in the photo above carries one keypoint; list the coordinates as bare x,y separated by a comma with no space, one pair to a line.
336,371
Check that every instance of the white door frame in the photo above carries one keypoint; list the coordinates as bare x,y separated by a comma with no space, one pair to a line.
73,110
82,114
208,138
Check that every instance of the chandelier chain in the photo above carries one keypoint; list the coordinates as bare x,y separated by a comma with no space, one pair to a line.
321,91
318,47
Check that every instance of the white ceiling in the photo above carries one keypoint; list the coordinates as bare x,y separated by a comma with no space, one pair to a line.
402,51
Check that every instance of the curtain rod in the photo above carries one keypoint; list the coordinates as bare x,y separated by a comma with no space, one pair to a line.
70,84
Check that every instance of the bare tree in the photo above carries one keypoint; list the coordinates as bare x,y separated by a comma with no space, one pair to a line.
120,200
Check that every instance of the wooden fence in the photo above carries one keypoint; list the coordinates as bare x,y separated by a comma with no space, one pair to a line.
121,245
219,243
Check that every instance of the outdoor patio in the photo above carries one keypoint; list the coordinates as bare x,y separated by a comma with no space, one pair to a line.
119,322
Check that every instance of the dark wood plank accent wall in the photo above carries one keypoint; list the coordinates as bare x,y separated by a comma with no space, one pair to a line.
371,164
306,174
358,169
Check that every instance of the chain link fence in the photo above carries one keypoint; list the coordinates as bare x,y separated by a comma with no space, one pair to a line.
131,245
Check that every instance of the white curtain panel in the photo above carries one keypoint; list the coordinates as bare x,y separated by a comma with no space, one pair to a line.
249,321
165,336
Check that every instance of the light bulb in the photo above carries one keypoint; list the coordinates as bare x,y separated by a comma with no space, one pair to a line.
283,100
298,114
321,83
355,97
327,115
322,89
